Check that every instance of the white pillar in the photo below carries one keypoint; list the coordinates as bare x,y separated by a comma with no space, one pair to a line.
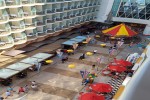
104,9
147,30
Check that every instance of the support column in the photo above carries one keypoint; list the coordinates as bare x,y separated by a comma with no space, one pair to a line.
146,30
104,10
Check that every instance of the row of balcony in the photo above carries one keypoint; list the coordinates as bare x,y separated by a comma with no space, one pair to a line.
4,3
21,25
27,35
22,37
19,14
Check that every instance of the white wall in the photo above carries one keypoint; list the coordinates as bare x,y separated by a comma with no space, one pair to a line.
104,9
139,86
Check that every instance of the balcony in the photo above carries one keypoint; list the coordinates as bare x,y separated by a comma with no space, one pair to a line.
73,7
4,18
79,14
71,24
59,19
49,31
65,26
72,15
83,13
29,14
57,29
31,36
50,11
59,0
13,3
68,0
80,6
19,38
65,8
6,42
41,33
85,5
66,17
90,4
16,16
5,32
40,23
17,28
94,4
2,4
28,2
50,21
60,10
40,12
40,1
30,25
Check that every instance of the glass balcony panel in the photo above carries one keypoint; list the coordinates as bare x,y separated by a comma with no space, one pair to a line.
40,1
59,0
29,25
49,30
14,27
67,0
60,10
50,11
41,33
39,23
40,12
12,2
50,20
13,16
28,1
2,4
4,18
50,1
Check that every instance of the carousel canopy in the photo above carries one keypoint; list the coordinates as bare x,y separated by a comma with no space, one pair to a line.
119,31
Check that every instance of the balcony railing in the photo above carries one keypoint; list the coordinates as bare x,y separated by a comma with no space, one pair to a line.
27,1
17,39
79,14
30,34
59,19
49,1
71,15
65,8
59,10
13,16
57,28
50,11
39,23
5,32
80,6
29,13
50,30
40,1
59,0
12,3
85,5
5,44
68,8
29,25
14,27
40,33
67,0
50,21
40,12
